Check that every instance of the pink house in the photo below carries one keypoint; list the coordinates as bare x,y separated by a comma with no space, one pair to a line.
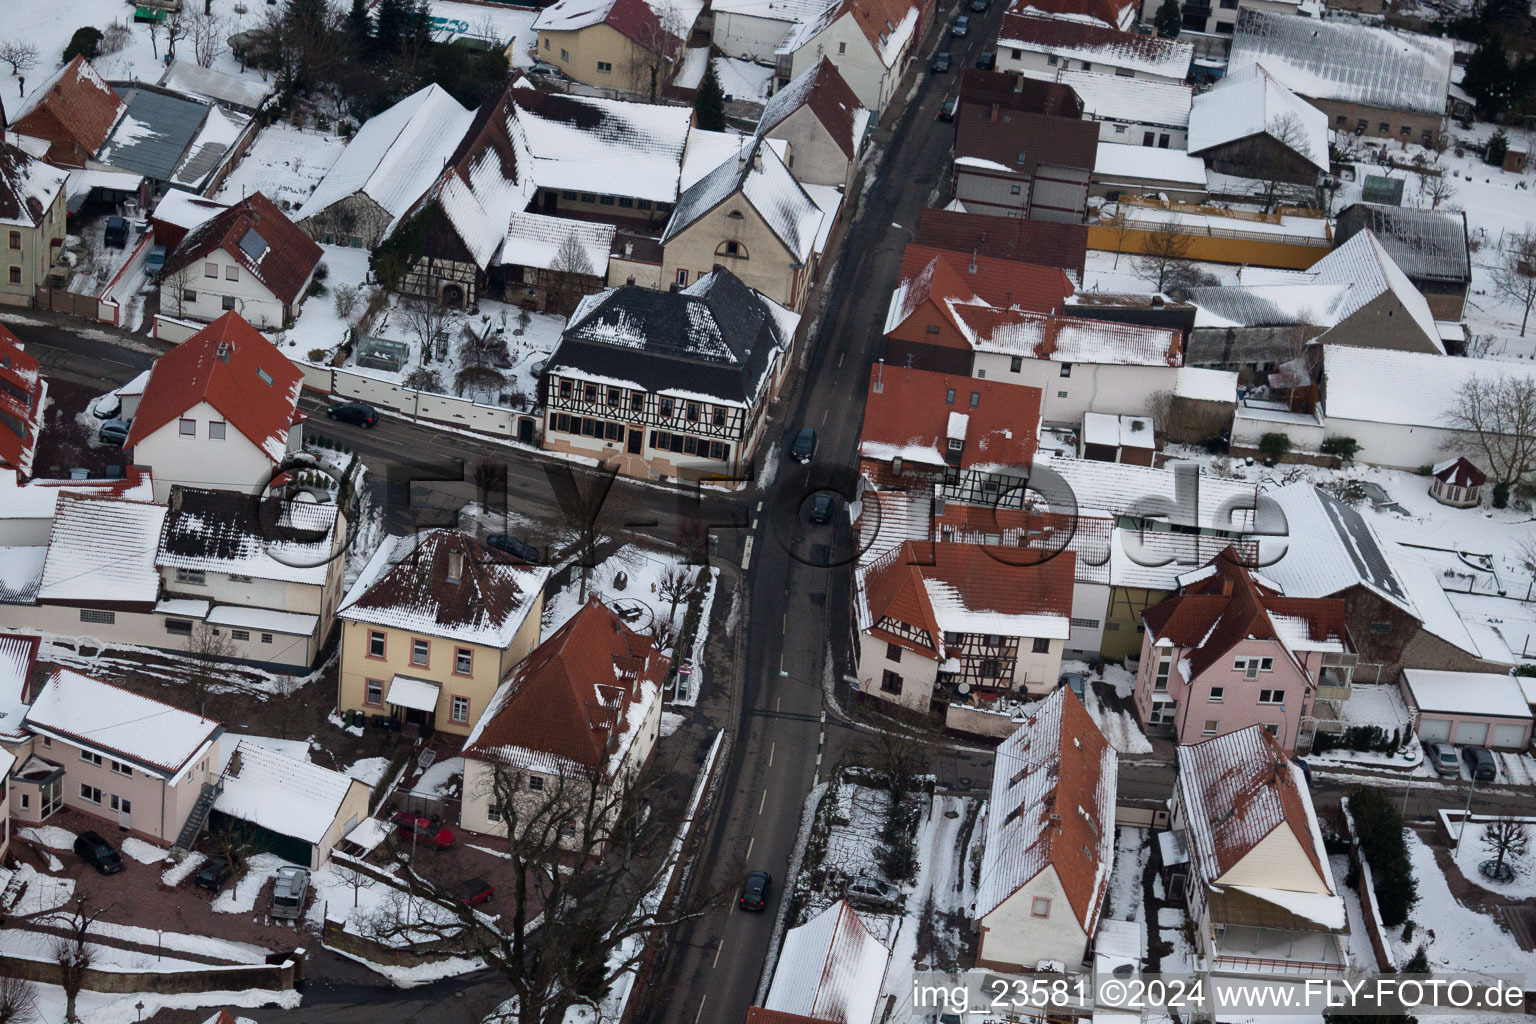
1230,651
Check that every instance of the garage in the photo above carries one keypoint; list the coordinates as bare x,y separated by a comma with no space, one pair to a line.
1469,709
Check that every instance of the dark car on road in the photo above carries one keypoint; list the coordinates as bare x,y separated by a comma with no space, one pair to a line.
1480,763
941,62
424,831
980,6
821,509
804,448
359,414
947,111
987,61
754,891
962,27
98,853
516,547
474,891
213,874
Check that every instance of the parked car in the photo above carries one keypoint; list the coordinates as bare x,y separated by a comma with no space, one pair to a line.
516,547
542,70
288,892
359,414
821,508
213,874
947,111
1443,758
113,432
474,891
155,260
987,61
872,890
804,448
407,825
941,62
98,853
962,27
1480,763
115,236
754,891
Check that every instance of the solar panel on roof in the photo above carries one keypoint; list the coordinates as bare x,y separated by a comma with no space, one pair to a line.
253,245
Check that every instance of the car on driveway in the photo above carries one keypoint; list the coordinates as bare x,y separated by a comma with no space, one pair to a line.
754,891
213,874
98,853
407,825
474,891
115,234
962,27
1480,763
865,889
515,547
359,414
1443,758
113,432
288,892
941,62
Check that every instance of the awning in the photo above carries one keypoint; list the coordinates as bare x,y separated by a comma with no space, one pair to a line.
417,694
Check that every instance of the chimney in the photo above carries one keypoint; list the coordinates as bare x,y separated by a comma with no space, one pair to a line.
630,280
757,159
879,387
674,287
993,117
223,351
629,248
455,566
233,769
973,261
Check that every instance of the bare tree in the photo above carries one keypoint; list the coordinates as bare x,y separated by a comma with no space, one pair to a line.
72,952
1514,276
353,878
590,858
208,37
345,298
570,267
1290,132
173,291
207,651
675,584
1166,247
1496,416
1438,189
428,321
20,54
18,1001
652,47
1123,228
1506,838
178,26
155,29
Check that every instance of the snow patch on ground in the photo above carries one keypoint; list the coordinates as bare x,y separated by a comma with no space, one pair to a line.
1456,938
174,876
369,769
144,853
1472,853
1118,727
671,721
51,836
240,897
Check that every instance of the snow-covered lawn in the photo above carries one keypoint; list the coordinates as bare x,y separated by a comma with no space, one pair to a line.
112,1008
1170,928
1456,938
206,945
1472,853
284,164
144,853
41,893
939,861
439,778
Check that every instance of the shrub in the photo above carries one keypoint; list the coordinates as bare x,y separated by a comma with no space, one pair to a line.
1379,828
1343,448
317,355
322,271
1498,146
317,287
1273,446
1501,494
86,42
424,379
1419,962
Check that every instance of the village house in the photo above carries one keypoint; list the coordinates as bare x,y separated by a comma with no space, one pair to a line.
581,711
753,29
1369,81
1261,895
549,263
249,259
1129,111
1231,651
1430,246
23,393
432,626
72,111
629,45
1026,153
91,752
392,160
870,41
829,970
821,119
751,216
1045,243
179,211
31,223
1249,125
1029,43
956,623
668,384
1050,840
1116,14
295,809
219,410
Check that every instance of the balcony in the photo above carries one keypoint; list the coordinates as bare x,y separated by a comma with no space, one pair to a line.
1248,949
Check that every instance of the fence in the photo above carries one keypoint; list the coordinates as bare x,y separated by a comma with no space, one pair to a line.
58,300
232,978
423,405
127,281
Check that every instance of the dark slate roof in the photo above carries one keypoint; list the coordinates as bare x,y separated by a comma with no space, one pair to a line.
717,338
1426,244
154,134
1010,90
234,532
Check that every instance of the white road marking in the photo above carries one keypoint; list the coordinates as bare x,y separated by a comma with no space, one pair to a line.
701,1008
762,802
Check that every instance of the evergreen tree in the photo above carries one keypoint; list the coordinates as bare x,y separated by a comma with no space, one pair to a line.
358,25
389,26
709,104
1489,79
1168,20
1498,146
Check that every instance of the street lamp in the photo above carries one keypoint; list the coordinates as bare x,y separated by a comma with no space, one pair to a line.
139,1006
1466,817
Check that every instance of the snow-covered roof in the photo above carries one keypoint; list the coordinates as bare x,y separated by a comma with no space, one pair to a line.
396,155
1118,161
186,209
764,183
1347,61
1412,388
280,793
536,240
28,187
655,24
1327,548
119,723
1097,45
576,143
1468,694
417,694
18,653
1117,98
244,91
1119,488
1426,244
266,538
822,89
102,549
206,151
773,10
1364,262
1053,805
1270,305
830,969
1250,101
1203,385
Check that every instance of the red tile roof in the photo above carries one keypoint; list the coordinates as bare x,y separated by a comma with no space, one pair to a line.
570,698
907,409
21,394
758,1015
877,18
1458,472
637,20
74,112
965,277
829,97
1229,606
1010,90
1009,238
259,237
1112,13
1076,36
229,365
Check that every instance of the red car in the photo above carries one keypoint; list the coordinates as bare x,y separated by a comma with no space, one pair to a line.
407,825
474,892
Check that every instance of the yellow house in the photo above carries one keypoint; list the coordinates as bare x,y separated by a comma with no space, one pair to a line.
432,626
628,45
31,223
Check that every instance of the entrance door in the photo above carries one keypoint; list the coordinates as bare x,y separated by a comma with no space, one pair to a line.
124,809
635,438
51,795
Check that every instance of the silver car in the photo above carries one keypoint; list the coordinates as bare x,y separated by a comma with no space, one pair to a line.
288,892
1443,758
